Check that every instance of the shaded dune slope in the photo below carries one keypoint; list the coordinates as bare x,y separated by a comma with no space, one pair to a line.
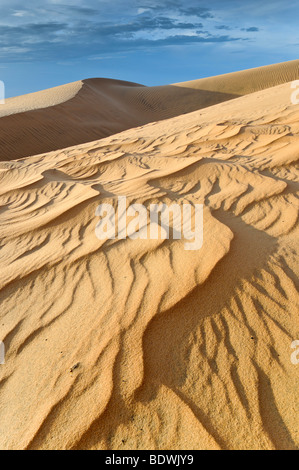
139,344
96,108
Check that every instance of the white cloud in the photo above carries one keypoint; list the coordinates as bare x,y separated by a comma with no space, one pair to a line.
20,13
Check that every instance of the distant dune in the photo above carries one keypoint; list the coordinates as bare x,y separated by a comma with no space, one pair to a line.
96,108
139,344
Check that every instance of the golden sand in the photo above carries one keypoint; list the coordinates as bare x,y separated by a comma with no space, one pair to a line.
140,344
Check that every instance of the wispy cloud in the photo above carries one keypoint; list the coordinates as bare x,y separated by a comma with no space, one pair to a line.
252,29
69,29
59,29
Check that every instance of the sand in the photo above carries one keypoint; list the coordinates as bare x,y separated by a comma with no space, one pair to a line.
140,344
91,109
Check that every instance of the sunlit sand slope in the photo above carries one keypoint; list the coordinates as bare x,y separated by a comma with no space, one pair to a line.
88,110
140,344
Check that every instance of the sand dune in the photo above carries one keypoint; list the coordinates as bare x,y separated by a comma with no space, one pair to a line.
140,344
96,108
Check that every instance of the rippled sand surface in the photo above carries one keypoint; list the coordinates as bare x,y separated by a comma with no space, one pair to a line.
140,344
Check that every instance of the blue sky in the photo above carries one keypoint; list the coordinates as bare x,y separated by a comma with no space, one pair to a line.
44,43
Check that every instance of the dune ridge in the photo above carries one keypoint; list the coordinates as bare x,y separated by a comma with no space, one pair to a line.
139,344
96,108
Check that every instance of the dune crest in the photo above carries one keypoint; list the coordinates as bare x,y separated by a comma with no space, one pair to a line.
96,108
138,344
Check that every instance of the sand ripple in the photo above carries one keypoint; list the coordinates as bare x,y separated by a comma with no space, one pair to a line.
172,349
